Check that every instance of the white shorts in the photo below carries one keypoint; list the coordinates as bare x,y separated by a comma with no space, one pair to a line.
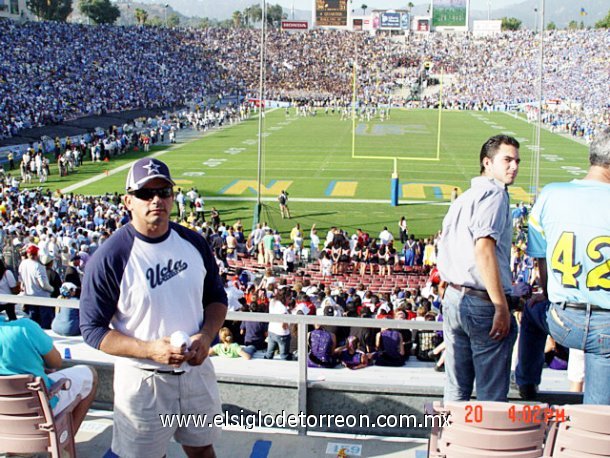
576,366
140,397
81,379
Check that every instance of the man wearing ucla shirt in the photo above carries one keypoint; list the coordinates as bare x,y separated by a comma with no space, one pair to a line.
569,231
150,279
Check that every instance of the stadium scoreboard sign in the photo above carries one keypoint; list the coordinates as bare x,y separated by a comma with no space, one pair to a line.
331,13
450,13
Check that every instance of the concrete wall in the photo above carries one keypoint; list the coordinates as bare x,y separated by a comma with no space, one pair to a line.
247,395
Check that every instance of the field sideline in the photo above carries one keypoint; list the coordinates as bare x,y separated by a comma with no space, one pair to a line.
329,184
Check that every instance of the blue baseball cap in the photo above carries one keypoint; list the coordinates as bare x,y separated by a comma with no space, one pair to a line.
144,170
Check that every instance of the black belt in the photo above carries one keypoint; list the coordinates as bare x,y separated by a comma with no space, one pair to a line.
480,294
582,306
159,371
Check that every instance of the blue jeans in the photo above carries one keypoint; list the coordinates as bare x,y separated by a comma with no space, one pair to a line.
471,354
582,329
275,341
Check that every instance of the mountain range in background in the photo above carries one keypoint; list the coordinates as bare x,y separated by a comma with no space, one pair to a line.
561,12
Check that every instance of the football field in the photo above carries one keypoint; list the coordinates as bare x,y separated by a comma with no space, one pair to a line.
338,172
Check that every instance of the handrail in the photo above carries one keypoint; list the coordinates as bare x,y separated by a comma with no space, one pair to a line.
302,321
252,316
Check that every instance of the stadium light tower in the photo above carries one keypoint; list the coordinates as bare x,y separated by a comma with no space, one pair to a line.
261,108
536,164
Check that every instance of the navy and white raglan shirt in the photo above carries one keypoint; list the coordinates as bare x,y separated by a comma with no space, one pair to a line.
148,288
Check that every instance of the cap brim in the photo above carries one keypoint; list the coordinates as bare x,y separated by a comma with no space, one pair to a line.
140,184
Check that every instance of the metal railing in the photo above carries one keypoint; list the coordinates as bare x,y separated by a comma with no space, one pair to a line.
302,321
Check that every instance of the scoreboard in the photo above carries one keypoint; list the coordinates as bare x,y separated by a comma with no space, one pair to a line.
331,13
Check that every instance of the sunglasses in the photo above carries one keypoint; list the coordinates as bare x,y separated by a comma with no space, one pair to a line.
149,194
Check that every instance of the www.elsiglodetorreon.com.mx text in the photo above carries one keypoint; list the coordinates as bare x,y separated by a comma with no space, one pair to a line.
301,420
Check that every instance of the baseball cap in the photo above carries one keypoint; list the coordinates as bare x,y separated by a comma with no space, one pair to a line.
32,249
144,170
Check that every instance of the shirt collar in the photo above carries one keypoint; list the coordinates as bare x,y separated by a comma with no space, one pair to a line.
483,181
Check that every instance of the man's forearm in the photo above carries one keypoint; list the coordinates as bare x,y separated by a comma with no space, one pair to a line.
118,344
487,265
542,270
215,314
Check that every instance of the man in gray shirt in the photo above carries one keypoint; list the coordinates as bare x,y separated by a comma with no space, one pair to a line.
474,262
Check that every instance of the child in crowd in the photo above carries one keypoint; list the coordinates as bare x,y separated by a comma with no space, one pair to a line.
227,348
350,356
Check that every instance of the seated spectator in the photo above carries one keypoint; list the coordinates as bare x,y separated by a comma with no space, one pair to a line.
254,332
351,356
67,320
322,346
8,285
366,336
390,348
26,349
227,348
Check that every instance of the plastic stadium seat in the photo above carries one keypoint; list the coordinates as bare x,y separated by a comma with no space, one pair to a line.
27,423
585,434
485,429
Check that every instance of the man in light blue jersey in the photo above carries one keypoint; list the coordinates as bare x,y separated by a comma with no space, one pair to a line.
569,232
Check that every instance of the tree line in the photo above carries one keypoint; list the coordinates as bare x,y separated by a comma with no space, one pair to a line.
512,23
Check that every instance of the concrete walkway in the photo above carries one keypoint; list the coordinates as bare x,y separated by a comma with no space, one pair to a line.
95,436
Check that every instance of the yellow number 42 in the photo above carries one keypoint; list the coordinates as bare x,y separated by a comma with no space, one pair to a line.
563,261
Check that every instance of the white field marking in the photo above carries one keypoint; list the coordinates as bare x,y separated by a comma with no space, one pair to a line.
249,142
572,170
233,151
497,127
264,134
510,132
534,148
522,139
214,162
275,128
552,157
193,174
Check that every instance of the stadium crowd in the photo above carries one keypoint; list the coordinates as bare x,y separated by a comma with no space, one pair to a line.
329,275
46,76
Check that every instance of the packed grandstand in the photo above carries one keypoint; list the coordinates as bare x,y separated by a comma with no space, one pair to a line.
51,72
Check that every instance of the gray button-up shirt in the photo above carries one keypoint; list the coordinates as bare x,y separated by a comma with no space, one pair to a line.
482,211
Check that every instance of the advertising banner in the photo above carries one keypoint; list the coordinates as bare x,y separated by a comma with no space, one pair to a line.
295,25
390,20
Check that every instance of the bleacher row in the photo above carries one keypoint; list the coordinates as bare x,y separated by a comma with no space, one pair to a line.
404,277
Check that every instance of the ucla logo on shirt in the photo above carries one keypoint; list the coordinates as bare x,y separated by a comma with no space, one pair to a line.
158,275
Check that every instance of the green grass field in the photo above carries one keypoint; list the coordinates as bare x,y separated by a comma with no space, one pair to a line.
329,184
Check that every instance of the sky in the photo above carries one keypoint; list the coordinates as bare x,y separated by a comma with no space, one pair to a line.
388,4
